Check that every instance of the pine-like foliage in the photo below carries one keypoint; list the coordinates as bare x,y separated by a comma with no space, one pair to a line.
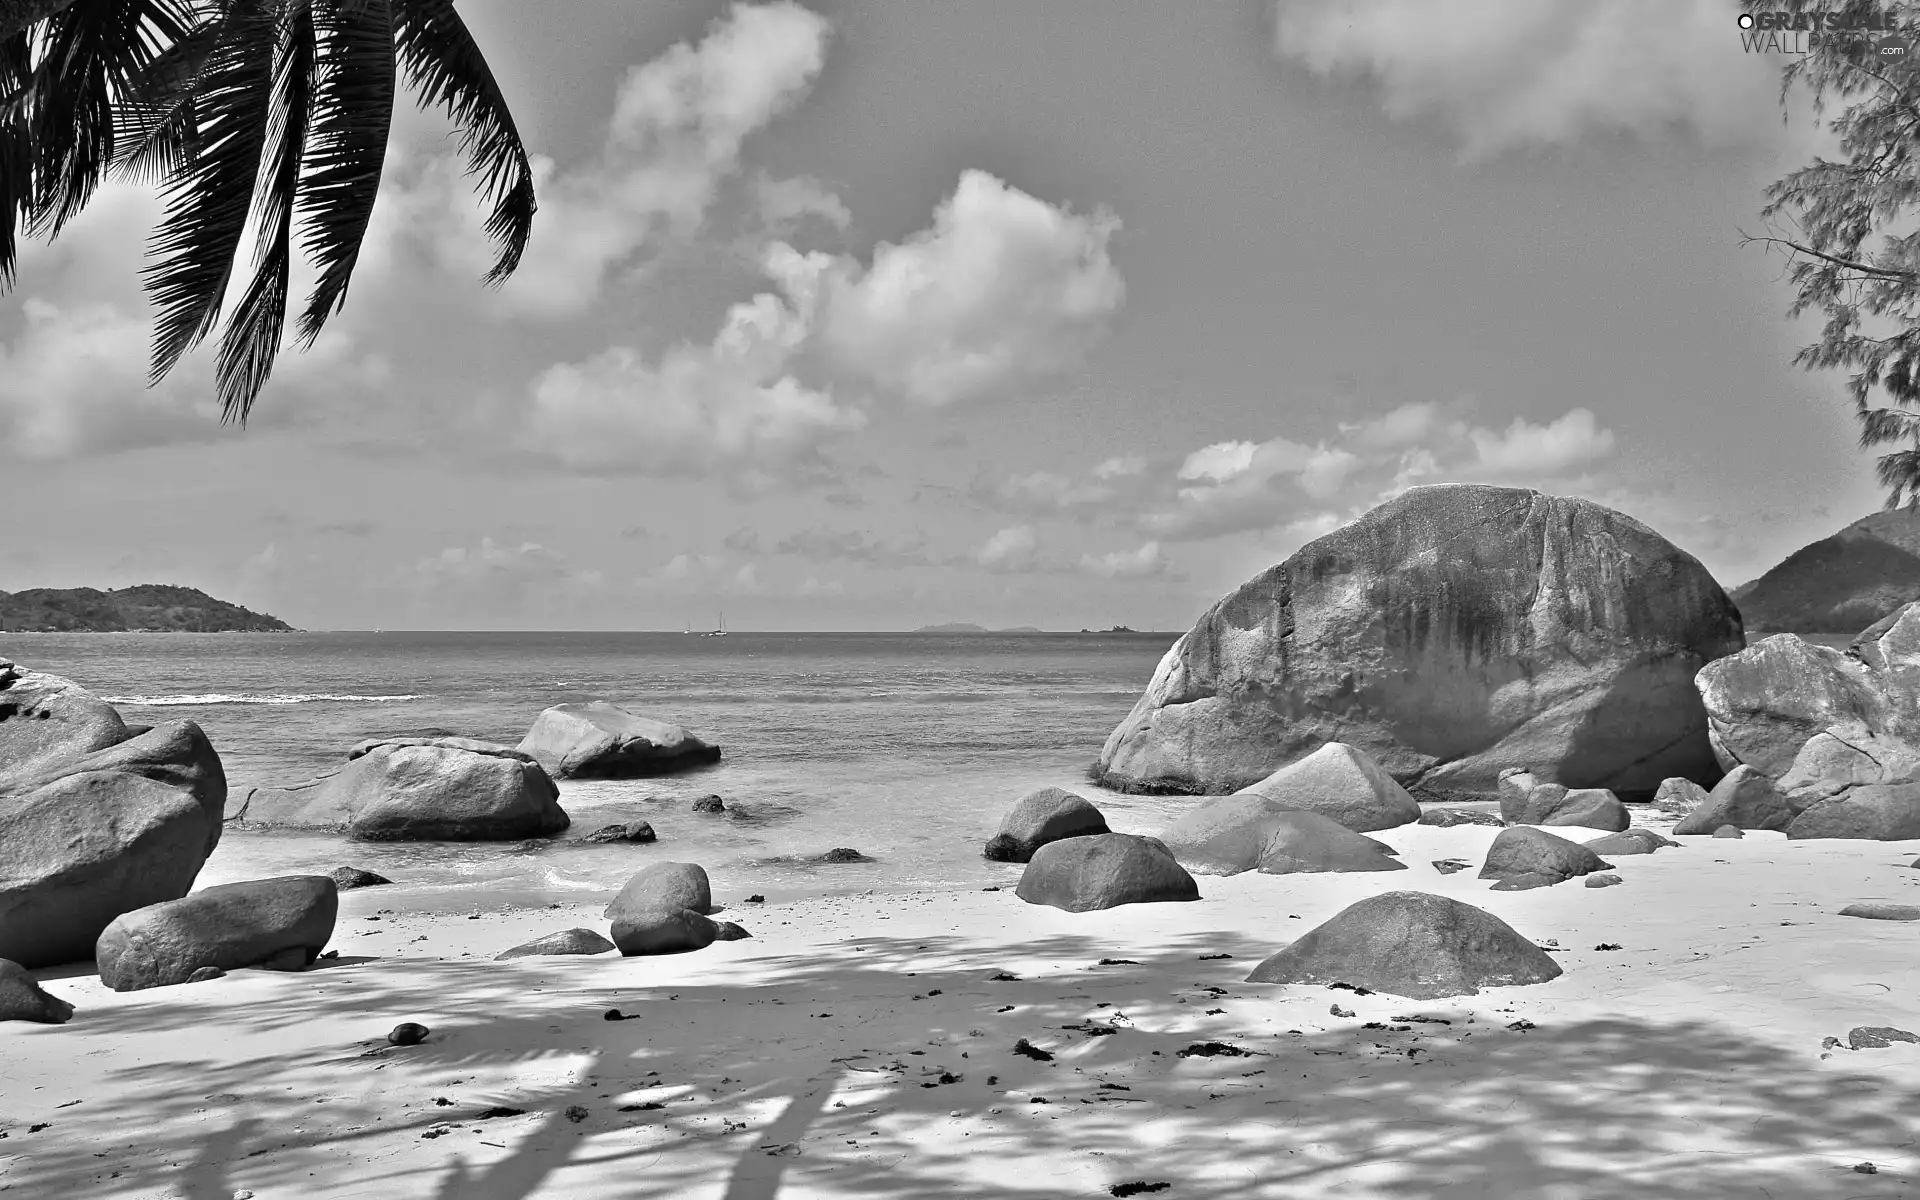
1848,227
262,115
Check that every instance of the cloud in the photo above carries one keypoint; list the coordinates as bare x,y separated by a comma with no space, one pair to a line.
784,204
1234,486
730,406
1575,439
1050,493
1143,563
826,545
1508,73
678,126
1002,290
496,580
73,383
1010,550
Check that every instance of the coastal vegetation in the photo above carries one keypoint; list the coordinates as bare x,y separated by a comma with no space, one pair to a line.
147,607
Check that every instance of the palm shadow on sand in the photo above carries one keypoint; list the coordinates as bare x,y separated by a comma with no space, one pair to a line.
1600,1109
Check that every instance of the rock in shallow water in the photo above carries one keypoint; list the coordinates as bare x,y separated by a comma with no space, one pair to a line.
1603,879
599,740
631,831
348,878
1039,817
1411,944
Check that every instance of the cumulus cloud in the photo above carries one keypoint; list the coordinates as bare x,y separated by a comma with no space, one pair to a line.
1143,563
729,406
785,203
678,126
1010,550
73,382
1003,289
1245,486
1509,73
853,546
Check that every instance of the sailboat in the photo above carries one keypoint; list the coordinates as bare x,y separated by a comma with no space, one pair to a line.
722,631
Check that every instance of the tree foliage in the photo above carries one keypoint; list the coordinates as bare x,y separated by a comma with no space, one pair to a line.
269,116
1849,232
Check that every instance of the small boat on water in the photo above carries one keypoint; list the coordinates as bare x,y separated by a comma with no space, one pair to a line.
720,632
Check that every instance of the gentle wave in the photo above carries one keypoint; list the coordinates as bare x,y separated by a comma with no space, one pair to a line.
203,698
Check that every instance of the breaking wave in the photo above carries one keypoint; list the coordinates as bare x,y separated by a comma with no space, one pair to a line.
202,698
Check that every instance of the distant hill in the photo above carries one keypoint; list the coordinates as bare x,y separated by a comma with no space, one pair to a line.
964,627
154,607
1839,584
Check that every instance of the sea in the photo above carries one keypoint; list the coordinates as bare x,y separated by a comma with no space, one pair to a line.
905,747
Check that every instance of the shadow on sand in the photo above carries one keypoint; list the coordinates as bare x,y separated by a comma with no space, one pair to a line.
1598,1110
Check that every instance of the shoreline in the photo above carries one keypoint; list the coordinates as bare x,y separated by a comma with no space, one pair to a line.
810,1058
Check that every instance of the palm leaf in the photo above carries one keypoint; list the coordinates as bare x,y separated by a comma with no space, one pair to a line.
16,150
90,53
196,241
446,67
156,127
352,112
252,338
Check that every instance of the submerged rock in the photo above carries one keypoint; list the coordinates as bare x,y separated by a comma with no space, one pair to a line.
631,831
1104,870
1450,633
1411,944
1039,817
600,740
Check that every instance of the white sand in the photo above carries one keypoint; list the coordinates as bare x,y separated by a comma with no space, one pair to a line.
1687,1064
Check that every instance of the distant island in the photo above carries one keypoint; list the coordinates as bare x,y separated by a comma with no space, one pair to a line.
147,607
1115,629
964,627
1839,584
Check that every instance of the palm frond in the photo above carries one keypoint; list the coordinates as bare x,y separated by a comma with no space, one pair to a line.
196,241
352,113
16,151
252,338
89,54
446,67
156,127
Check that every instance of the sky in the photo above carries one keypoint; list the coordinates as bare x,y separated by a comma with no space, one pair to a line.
867,316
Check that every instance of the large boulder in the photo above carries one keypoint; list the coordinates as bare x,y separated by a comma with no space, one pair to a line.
1524,857
1745,799
88,838
23,999
1341,782
1820,721
1450,633
1886,812
1589,808
283,923
46,720
1104,870
1411,944
1678,797
1231,834
1513,787
663,910
419,789
1041,817
604,741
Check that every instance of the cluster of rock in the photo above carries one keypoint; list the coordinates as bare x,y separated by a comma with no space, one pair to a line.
461,789
1825,742
665,908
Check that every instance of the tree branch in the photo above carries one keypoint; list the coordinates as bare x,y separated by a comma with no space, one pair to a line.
1848,264
16,15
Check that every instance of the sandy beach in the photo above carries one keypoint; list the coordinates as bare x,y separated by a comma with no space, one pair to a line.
861,1046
